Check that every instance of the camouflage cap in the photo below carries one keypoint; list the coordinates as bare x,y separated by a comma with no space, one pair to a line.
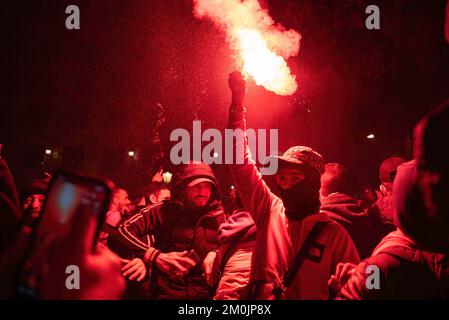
302,155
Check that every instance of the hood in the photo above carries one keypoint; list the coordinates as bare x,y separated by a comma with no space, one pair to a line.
37,186
395,239
190,172
410,213
342,208
238,223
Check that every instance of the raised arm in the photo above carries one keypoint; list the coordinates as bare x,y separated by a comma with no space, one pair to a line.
9,205
253,191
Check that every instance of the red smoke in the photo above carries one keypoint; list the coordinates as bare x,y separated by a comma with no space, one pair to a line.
261,44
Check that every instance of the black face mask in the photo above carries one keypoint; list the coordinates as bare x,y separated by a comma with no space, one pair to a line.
301,200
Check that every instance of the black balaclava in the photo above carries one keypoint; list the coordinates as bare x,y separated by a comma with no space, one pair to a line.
303,199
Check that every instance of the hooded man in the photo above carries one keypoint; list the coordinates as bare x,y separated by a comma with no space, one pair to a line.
237,237
32,200
289,224
185,232
365,230
383,207
413,261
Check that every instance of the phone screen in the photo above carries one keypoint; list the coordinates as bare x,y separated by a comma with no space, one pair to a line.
66,194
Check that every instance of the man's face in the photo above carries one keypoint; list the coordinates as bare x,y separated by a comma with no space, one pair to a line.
288,177
33,205
326,180
122,201
163,194
199,194
326,177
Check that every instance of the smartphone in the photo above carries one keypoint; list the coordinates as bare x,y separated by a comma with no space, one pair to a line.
67,191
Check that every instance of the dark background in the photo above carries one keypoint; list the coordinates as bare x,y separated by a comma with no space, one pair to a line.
91,95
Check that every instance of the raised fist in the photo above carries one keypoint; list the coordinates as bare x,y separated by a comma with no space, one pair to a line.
238,88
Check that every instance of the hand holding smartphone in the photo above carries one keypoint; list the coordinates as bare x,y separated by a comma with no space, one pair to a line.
65,236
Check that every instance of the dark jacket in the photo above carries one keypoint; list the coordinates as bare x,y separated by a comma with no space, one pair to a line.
407,268
176,227
366,230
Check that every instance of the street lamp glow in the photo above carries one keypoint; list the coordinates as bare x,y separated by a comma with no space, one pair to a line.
48,151
370,136
131,153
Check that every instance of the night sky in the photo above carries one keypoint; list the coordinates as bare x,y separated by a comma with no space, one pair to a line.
93,94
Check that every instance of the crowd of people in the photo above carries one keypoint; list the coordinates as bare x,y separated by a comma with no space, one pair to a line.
311,239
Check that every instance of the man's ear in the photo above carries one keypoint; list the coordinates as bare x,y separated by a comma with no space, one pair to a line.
114,200
153,198
383,189
322,192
